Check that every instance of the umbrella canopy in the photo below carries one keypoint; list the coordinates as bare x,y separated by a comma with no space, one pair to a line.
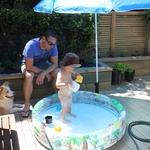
74,6
91,6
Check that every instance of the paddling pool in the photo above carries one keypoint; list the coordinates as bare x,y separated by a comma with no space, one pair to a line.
100,122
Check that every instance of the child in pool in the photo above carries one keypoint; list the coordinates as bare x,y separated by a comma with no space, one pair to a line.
64,82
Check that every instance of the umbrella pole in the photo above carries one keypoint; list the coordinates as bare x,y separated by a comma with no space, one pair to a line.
96,44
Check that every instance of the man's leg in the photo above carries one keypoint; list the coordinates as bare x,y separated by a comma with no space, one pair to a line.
27,88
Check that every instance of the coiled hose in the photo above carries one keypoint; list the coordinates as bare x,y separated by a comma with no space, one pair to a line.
132,135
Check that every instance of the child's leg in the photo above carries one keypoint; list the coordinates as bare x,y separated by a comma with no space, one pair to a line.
64,104
69,107
62,115
70,114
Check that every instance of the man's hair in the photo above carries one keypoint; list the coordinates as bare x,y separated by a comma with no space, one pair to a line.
49,33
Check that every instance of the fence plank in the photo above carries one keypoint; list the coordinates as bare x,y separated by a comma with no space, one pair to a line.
123,32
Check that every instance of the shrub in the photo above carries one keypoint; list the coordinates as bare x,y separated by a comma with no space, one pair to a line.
119,67
129,69
122,67
75,32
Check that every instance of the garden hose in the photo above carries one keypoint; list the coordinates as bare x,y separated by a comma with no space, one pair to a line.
132,135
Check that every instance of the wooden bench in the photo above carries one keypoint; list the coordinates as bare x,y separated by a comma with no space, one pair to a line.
41,91
8,133
16,84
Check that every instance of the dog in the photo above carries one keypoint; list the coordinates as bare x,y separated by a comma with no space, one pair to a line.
7,105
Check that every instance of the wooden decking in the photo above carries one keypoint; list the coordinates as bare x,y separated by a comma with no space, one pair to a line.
8,133
133,96
26,137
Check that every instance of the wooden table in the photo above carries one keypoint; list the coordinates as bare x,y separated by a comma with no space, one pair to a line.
8,133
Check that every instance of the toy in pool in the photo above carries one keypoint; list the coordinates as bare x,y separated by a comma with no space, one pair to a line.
100,122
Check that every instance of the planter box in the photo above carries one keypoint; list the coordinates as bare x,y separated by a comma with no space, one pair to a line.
89,77
117,77
41,91
140,64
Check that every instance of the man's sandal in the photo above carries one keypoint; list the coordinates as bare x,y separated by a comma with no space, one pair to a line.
27,114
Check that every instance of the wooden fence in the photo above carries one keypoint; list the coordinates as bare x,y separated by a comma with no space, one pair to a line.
123,34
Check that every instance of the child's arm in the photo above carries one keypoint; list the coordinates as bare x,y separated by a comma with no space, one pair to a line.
75,74
60,83
63,84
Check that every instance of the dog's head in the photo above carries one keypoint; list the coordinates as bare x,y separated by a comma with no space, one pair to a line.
6,92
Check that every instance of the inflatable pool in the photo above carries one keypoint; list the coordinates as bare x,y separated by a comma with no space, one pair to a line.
100,122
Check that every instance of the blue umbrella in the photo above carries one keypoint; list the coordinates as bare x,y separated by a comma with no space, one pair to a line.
91,6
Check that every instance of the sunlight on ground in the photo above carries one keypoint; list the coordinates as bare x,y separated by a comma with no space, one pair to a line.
139,89
133,94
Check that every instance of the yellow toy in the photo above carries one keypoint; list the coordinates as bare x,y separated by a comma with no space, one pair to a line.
79,78
57,128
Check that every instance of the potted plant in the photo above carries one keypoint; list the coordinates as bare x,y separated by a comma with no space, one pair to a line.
129,74
118,73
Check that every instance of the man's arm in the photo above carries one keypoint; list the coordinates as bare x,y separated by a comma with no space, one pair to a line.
53,66
30,67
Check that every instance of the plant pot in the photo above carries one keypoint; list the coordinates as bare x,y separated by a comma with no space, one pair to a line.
129,76
117,77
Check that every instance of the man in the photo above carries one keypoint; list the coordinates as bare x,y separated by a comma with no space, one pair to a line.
40,57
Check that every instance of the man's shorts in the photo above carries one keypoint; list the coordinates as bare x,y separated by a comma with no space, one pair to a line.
23,67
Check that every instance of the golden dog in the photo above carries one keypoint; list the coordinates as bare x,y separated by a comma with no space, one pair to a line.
7,105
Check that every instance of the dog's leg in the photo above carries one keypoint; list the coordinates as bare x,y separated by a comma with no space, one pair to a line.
18,105
16,109
3,111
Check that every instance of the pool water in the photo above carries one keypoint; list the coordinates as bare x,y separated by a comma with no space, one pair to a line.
89,118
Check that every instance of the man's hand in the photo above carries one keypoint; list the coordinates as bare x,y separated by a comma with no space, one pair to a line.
40,79
48,76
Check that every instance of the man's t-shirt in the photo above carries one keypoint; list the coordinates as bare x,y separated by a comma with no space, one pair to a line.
40,57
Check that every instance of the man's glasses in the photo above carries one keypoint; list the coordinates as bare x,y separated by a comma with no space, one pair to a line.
49,43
